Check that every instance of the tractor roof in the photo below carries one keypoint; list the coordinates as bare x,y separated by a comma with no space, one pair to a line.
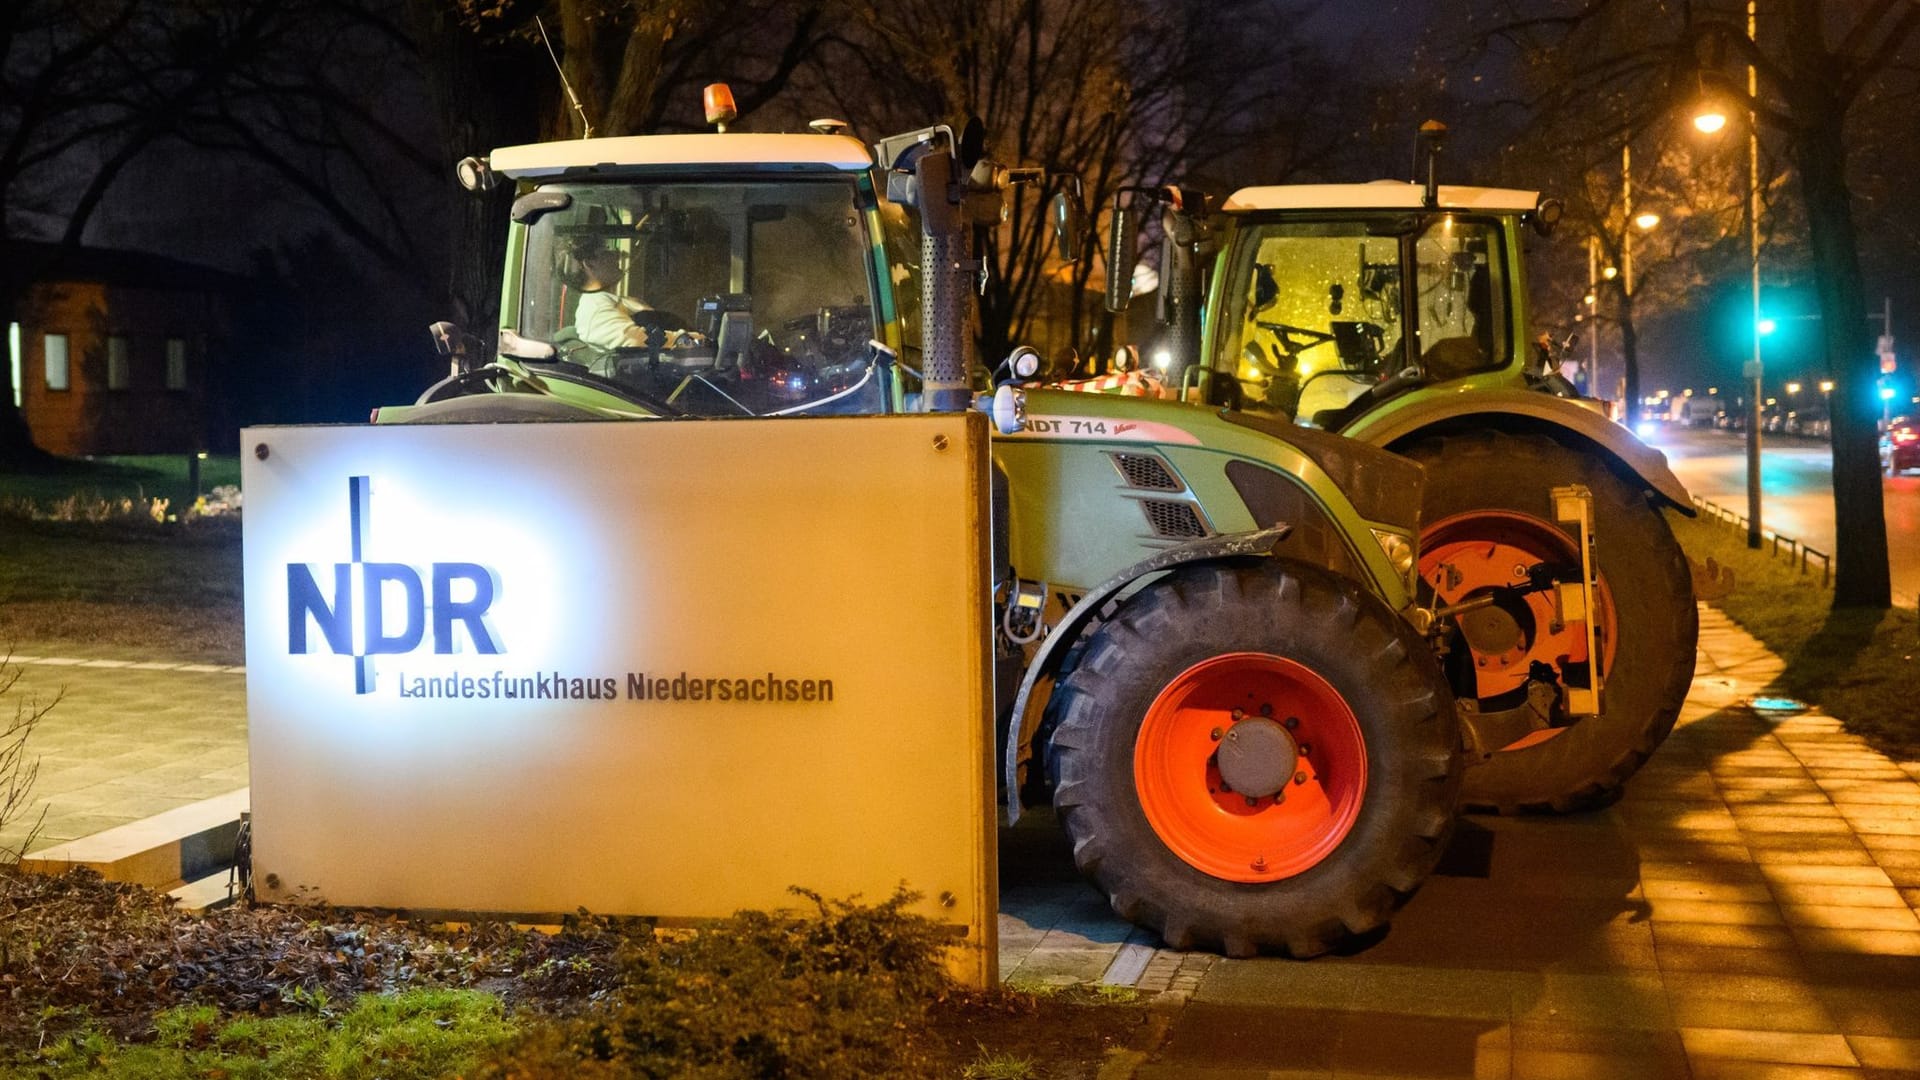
772,153
1379,195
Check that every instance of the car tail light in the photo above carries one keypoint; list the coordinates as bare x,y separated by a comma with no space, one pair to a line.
1905,435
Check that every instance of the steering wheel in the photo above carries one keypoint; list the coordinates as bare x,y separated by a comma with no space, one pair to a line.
1295,339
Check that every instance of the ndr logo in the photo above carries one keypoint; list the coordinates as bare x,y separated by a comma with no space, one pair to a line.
461,593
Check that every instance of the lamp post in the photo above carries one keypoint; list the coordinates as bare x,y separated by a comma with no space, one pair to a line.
1711,122
1645,221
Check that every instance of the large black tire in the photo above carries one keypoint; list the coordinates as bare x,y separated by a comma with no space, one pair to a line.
1395,701
1640,565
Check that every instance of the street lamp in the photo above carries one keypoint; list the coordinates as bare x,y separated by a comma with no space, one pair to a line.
1645,221
1709,120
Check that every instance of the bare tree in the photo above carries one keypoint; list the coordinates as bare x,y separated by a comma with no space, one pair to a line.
1109,94
90,87
1628,63
18,769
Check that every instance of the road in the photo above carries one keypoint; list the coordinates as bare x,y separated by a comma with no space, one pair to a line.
1796,484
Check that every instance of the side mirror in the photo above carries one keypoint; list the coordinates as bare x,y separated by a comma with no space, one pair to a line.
1069,224
1122,237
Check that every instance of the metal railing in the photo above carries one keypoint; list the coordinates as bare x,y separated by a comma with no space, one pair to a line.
1797,552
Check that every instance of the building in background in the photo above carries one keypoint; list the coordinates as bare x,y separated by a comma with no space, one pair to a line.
110,349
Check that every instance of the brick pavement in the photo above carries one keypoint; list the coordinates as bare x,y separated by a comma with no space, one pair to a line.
1748,910
126,740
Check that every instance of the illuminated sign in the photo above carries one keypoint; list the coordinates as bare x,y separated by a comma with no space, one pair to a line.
375,583
645,669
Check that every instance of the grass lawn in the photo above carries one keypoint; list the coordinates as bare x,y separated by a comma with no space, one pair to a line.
140,477
127,588
1861,667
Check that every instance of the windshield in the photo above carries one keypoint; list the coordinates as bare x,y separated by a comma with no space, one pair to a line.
720,299
1316,312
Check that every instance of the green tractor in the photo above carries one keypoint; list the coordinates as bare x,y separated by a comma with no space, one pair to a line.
1395,314
1208,632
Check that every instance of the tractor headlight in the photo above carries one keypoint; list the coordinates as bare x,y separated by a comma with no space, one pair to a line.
1399,549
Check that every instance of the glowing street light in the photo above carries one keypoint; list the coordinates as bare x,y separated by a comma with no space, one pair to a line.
1646,220
1766,326
1710,120
1793,388
1826,386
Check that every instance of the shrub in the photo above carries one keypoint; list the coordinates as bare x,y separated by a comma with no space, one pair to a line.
831,992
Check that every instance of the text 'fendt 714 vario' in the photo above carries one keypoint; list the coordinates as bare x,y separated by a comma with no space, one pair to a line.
1396,314
1207,622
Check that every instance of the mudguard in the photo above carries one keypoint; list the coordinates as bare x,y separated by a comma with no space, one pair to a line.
1065,632
1397,424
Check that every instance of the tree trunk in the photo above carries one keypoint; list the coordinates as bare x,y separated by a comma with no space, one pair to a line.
481,97
1860,524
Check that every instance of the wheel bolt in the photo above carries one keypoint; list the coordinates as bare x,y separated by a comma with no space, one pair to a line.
1300,778
1238,716
1292,722
1251,801
1305,749
1259,862
1266,709
1216,734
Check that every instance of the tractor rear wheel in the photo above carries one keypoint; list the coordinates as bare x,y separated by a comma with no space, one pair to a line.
1487,516
1255,756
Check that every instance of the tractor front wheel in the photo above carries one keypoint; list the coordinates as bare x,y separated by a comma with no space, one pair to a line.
1255,756
1487,518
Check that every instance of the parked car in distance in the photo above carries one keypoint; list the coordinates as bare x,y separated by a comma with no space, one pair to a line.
1810,421
1900,446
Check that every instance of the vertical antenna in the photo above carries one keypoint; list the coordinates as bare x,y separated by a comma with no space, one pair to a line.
564,84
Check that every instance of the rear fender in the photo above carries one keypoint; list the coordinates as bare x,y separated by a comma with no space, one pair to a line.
1061,638
1558,418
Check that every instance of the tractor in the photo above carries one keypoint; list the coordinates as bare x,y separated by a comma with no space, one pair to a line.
1208,634
1395,314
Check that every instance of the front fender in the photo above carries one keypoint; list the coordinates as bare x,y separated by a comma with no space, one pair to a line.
1398,425
1052,651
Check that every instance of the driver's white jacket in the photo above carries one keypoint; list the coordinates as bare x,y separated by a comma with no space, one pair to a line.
602,319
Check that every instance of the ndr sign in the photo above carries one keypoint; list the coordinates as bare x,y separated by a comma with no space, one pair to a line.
631,667
462,593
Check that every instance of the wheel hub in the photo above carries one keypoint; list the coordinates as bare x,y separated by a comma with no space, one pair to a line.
1257,757
1250,767
1492,631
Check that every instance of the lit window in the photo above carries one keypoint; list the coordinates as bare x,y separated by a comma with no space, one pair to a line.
119,371
55,350
176,363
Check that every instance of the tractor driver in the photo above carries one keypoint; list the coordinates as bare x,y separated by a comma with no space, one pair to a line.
603,318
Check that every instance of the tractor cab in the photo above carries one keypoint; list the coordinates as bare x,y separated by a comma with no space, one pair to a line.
1329,293
700,275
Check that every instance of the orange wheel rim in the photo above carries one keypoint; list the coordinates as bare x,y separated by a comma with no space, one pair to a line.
1468,554
1298,731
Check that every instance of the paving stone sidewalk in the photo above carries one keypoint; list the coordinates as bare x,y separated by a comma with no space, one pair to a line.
1748,910
125,741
